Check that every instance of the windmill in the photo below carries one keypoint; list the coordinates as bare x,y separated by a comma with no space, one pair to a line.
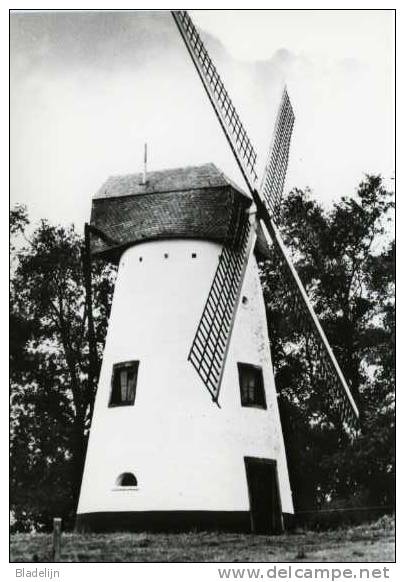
187,313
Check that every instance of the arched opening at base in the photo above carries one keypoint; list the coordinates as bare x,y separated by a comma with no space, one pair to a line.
126,480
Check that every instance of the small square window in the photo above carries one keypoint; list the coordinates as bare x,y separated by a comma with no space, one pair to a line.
251,386
124,379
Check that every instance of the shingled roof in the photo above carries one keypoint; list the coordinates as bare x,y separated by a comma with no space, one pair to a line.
172,180
192,202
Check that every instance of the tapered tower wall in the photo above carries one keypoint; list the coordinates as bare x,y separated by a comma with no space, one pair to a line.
186,452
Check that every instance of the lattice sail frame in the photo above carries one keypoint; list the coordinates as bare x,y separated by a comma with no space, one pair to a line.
210,345
227,115
211,341
272,184
268,203
339,396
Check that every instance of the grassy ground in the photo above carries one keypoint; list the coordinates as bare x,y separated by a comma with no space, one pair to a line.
364,543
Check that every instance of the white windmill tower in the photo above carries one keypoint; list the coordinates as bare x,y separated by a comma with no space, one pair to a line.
186,429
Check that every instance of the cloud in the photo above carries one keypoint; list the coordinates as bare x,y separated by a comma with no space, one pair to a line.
101,41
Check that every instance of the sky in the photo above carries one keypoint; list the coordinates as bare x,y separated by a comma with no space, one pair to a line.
89,88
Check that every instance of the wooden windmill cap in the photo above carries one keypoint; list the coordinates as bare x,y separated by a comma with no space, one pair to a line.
191,202
171,180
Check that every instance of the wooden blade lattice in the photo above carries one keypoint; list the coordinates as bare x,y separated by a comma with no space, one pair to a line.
211,341
218,95
276,167
326,369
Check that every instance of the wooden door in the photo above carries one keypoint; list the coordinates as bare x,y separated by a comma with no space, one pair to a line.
264,495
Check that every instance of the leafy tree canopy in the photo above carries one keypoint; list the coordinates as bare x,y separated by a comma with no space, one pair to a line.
52,393
345,258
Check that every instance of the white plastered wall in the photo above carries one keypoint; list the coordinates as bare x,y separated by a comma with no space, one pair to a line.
186,452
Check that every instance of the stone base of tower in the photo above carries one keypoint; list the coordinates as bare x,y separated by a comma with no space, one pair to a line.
163,521
108,521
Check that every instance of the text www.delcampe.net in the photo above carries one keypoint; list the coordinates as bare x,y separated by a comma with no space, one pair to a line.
300,573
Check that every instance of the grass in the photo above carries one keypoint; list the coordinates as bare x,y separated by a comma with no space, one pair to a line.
373,542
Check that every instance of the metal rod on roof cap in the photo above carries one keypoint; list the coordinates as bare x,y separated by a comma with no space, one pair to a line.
145,162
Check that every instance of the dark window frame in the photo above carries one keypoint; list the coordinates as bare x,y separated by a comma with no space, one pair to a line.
116,399
259,398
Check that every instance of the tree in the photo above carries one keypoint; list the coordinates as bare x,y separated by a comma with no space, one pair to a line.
347,266
51,391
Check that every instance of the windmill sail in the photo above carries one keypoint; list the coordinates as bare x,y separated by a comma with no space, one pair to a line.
276,166
218,95
211,341
267,203
327,368
272,185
